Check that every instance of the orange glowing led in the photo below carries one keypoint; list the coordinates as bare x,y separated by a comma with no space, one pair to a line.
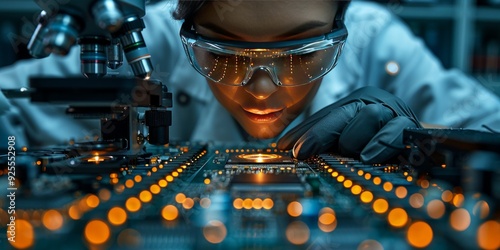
397,217
348,184
259,157
366,196
96,159
25,235
188,203
74,213
409,178
356,189
205,202
97,232
424,184
104,194
238,203
169,212
267,203
481,209
419,234
401,192
370,244
145,196
169,178
155,189
92,201
327,218
435,209
458,200
257,203
460,219
368,176
360,172
247,203
340,178
335,174
162,183
137,178
294,209
487,235
297,233
380,206
447,196
175,174
133,204
215,232
180,197
52,220
117,216
377,180
416,200
387,186
206,181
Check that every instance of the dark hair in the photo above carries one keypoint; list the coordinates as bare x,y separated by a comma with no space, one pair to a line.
186,8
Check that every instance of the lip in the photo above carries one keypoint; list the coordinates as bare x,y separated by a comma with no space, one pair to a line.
267,115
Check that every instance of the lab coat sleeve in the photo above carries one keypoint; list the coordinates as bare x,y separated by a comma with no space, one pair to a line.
399,62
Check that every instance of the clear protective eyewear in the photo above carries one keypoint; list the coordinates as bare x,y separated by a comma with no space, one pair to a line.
289,63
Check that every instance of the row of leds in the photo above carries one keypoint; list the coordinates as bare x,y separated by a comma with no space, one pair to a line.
268,150
96,231
419,233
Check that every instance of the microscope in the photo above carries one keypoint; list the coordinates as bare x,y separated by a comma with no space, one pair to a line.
133,111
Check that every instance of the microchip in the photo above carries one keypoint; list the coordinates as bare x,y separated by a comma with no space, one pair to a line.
262,182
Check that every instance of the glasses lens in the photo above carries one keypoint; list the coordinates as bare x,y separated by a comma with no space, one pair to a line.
304,68
291,69
224,68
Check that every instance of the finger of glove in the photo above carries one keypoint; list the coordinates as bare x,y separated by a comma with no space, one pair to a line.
289,139
367,95
324,135
367,123
392,134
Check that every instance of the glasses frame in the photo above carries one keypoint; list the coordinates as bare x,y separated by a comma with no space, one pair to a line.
337,36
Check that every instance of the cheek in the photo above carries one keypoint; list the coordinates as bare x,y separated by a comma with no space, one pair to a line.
299,97
226,95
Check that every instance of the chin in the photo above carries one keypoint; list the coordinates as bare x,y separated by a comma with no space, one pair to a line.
264,131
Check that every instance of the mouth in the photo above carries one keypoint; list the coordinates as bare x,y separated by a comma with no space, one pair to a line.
268,115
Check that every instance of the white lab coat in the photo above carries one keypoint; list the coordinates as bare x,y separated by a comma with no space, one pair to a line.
376,37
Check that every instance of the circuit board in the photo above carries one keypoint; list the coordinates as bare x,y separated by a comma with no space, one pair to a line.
248,196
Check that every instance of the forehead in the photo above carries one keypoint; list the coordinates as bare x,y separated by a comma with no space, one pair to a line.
264,18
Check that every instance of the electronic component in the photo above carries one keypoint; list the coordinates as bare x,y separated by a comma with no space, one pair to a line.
206,196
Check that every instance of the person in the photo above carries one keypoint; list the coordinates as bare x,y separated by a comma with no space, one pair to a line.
347,77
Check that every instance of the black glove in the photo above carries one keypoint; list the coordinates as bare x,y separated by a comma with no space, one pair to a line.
368,124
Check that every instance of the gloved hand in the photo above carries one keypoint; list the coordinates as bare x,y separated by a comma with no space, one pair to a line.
356,126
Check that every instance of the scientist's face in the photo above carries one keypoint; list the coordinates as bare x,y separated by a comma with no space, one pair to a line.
262,108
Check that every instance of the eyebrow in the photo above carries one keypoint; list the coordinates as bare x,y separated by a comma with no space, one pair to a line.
295,31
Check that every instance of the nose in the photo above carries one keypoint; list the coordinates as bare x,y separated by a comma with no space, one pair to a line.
261,85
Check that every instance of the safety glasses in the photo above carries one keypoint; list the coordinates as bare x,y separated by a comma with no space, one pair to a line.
289,63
